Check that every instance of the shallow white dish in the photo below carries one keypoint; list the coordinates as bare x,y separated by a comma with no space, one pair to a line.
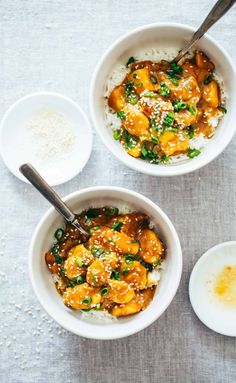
214,314
167,36
16,148
42,280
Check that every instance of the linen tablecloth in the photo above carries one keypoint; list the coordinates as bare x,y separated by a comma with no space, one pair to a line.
54,45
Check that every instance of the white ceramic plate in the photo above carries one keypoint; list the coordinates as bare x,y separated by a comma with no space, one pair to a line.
15,144
214,314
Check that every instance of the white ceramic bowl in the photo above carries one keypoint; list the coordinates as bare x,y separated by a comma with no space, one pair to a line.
15,143
162,36
42,281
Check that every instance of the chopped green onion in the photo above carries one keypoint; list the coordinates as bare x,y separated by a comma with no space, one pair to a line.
144,151
87,301
80,262
164,158
171,128
207,79
70,283
129,258
193,153
177,69
117,134
120,114
174,80
129,86
149,155
97,227
125,271
130,140
80,279
55,249
104,291
150,94
192,109
95,279
222,108
132,99
153,79
180,105
154,139
91,213
131,60
164,90
147,265
169,118
112,211
59,233
97,251
115,275
117,225
153,124
139,84
191,131
58,259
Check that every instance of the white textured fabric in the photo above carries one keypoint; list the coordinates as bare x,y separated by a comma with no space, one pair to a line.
54,45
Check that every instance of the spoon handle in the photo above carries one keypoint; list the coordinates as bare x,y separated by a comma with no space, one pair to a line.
42,186
219,9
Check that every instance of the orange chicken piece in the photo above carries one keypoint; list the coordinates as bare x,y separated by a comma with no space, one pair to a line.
81,297
116,99
120,291
152,248
134,273
211,94
203,62
113,241
142,81
136,122
75,265
99,272
171,143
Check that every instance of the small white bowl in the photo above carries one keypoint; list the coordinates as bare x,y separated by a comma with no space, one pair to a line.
214,314
42,280
163,36
16,147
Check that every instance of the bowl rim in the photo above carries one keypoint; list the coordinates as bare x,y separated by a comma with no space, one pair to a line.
177,169
194,272
127,330
64,99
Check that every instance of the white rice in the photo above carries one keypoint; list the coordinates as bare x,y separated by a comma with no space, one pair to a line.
156,55
98,317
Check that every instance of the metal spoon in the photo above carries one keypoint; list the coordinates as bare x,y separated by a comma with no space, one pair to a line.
219,9
42,186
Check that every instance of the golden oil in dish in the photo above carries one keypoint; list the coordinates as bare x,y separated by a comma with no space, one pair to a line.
225,286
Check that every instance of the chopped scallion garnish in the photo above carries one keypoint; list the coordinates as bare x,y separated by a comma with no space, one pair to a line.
117,225
193,153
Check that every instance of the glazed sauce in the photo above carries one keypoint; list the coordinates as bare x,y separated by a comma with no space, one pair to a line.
225,286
